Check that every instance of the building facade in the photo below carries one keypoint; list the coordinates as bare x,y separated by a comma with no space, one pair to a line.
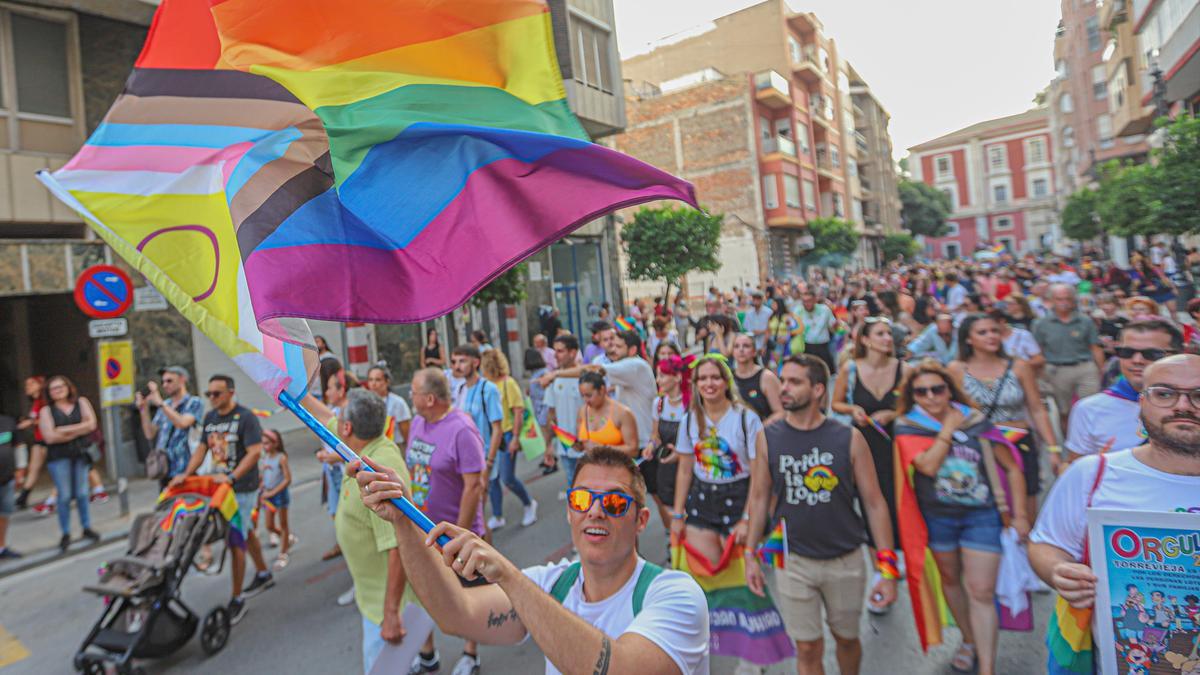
1149,39
801,118
878,177
999,176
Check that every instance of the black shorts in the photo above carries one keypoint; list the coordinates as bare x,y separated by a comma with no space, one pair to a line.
717,506
666,483
1031,457
649,469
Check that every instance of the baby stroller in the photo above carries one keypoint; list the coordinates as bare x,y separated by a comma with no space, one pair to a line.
144,616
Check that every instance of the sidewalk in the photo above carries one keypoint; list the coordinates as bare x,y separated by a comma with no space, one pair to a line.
36,537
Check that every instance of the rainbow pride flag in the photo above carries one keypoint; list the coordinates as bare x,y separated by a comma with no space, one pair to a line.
626,323
180,509
741,624
567,439
773,550
1069,639
220,497
258,143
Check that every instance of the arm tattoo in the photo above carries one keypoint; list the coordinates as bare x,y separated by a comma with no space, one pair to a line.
498,620
605,657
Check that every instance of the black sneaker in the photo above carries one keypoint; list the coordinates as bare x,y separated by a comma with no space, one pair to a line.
22,500
89,533
262,581
425,663
64,543
237,609
8,554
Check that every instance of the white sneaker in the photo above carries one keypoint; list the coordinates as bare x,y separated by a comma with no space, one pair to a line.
467,665
530,516
346,598
495,523
273,541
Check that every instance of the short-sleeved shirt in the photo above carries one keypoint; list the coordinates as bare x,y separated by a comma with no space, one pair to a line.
1020,343
818,324
563,396
510,397
398,410
1102,420
724,454
241,431
1068,342
674,613
1127,484
636,389
366,538
439,453
172,440
482,403
756,320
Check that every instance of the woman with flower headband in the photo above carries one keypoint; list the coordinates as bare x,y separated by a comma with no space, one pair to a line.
713,480
669,409
952,503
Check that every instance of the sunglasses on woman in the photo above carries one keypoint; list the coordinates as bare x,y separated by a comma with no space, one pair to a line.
614,502
935,390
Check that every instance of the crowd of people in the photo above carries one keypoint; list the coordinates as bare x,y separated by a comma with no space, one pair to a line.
860,409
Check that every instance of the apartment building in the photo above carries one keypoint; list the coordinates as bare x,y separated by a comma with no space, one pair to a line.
801,118
1086,119
999,176
878,178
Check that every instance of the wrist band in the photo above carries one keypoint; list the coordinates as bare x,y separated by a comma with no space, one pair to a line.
678,516
1054,449
887,563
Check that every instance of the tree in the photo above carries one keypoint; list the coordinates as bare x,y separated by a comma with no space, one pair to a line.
1079,219
1177,179
924,208
664,244
832,237
1126,201
899,244
506,289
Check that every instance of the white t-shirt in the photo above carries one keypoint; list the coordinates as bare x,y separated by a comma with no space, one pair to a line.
636,390
818,324
1127,484
563,396
1021,344
724,455
1100,418
756,320
955,296
674,613
397,409
671,412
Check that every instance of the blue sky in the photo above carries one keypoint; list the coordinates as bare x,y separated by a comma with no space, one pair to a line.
936,65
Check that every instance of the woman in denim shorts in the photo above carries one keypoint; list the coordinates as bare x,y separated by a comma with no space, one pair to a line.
955,479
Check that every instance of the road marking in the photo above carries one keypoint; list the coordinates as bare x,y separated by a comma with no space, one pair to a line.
326,574
11,649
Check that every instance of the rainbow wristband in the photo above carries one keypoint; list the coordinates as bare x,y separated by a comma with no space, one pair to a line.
888,564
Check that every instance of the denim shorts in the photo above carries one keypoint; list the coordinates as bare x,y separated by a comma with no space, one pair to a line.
281,500
976,529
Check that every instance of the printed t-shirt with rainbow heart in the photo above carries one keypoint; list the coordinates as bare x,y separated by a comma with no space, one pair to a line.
724,452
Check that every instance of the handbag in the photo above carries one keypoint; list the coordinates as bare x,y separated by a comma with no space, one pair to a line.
533,443
157,464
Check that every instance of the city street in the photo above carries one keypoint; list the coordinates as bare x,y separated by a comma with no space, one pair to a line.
298,627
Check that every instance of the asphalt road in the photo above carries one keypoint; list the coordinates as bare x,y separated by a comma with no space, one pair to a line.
297,626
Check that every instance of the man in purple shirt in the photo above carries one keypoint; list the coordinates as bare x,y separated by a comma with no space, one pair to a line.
445,457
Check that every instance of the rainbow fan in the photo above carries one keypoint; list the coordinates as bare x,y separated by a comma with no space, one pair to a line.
773,550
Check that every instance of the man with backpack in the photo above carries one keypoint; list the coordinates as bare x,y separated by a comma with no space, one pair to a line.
171,427
584,616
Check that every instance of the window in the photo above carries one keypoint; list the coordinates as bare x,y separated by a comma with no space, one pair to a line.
851,167
950,250
823,59
764,132
1099,83
999,194
1041,187
1006,243
802,137
1060,69
1004,223
1065,104
839,208
835,156
791,191
1104,130
1068,137
857,213
1093,33
783,127
951,228
810,196
1036,151
949,192
997,158
770,192
37,104
943,167
590,55
794,50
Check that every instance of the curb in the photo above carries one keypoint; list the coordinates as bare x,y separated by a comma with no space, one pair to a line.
29,561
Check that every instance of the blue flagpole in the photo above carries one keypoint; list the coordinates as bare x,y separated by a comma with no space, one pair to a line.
406,507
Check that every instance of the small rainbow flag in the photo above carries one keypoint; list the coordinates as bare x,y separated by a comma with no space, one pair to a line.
180,509
259,412
998,248
879,427
1012,434
773,550
626,323
563,436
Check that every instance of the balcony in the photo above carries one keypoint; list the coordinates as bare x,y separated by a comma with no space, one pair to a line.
821,110
860,141
1113,13
825,166
809,68
1126,83
779,144
772,89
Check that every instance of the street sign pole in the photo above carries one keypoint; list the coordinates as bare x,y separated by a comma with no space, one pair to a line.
112,435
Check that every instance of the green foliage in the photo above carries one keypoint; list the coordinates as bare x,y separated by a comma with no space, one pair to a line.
1177,183
832,237
1079,219
899,244
664,244
1126,201
506,289
924,208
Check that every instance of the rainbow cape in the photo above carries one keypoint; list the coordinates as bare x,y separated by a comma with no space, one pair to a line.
773,550
407,152
567,439
741,624
220,496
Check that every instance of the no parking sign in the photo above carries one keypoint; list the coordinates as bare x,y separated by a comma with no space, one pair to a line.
116,373
103,292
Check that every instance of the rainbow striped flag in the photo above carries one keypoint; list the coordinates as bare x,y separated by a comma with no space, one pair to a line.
181,508
773,550
259,412
260,142
626,323
220,496
567,439
1069,639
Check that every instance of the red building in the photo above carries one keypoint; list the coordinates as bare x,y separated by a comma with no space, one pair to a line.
999,175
